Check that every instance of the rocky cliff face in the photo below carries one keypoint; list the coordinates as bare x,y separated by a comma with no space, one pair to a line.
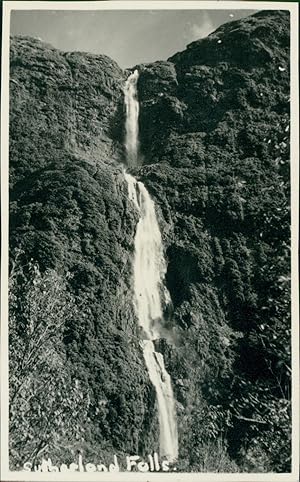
69,212
214,127
215,130
73,103
209,93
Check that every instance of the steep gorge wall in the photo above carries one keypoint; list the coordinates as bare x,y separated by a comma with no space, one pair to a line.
214,126
69,212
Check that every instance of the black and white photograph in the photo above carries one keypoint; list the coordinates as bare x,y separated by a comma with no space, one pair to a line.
149,241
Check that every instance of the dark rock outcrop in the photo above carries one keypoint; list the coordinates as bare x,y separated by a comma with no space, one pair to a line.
216,89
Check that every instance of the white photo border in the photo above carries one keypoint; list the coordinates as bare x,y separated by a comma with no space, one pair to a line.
8,6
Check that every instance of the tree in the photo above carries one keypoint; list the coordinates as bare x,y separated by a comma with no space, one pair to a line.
48,405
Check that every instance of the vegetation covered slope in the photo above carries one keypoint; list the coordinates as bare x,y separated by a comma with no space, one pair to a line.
214,126
215,130
71,232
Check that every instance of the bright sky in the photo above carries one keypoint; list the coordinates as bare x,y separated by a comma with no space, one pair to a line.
128,37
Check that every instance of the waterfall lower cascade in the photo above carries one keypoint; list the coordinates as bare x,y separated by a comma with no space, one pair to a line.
150,293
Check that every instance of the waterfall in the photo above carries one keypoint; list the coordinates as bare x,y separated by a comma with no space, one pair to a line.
132,116
150,293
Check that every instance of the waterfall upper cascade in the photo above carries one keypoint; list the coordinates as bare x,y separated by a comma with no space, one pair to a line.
150,293
132,116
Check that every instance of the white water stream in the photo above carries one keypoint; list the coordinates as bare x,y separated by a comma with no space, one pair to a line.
150,294
132,117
